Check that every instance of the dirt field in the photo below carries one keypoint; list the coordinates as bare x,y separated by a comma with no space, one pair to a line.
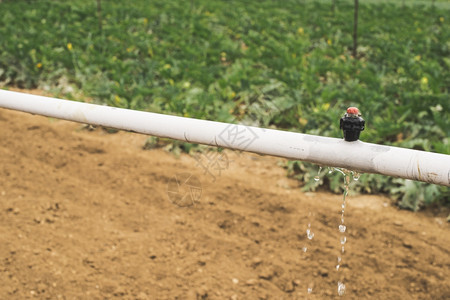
90,215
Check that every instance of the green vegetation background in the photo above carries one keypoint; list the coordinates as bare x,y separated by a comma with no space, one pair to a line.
283,64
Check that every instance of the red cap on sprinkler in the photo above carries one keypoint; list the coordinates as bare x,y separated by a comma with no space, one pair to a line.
353,111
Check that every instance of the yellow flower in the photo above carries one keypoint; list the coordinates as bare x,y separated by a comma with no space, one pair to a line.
39,65
167,66
424,80
117,99
302,121
417,57
145,21
300,30
223,56
69,46
329,42
441,19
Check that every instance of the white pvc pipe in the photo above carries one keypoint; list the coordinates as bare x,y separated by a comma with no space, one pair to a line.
358,156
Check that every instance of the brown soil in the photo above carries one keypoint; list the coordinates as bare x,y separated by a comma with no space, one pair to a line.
87,215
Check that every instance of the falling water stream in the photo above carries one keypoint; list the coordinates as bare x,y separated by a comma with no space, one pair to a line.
348,175
310,236
310,233
342,229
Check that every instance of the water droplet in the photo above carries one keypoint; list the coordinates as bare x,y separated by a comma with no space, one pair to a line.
342,250
356,176
305,249
309,234
343,240
341,288
342,219
309,290
339,259
343,205
342,228
337,267
317,177
330,170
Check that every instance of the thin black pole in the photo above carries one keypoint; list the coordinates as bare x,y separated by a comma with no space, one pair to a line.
99,13
355,30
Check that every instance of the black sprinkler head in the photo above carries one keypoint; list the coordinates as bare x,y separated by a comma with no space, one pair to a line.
352,124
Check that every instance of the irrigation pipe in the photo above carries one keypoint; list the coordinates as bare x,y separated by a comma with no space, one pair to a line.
359,156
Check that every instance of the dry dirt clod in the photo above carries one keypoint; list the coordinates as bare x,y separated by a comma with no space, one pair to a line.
266,274
256,261
398,223
407,244
289,287
142,296
251,281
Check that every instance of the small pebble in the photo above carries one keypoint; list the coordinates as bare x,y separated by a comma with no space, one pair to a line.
256,261
251,281
289,287
407,245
